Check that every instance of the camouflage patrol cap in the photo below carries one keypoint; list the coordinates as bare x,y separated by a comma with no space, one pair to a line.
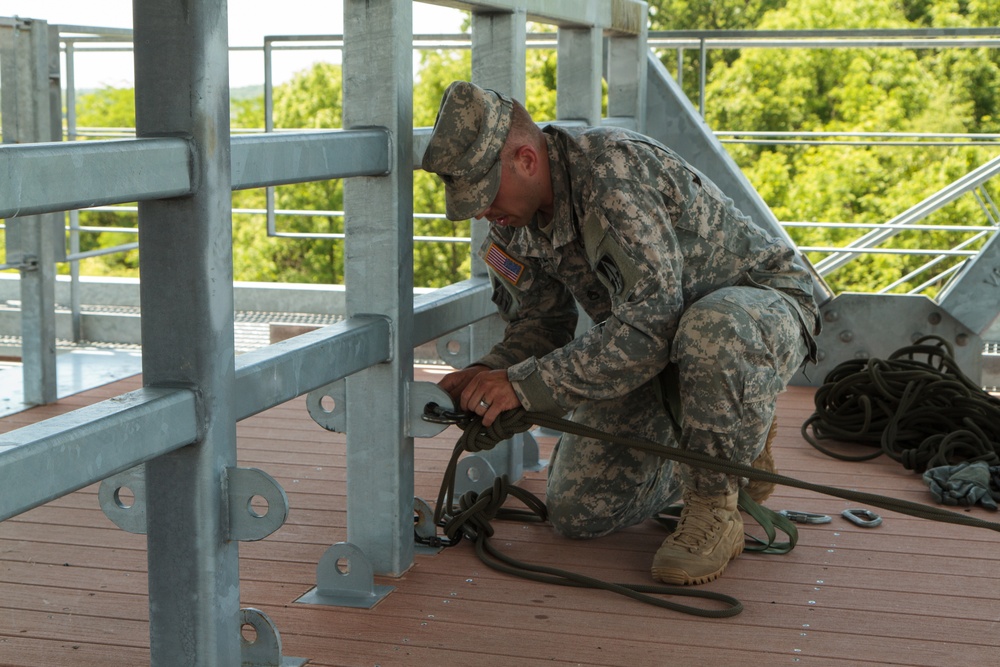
470,130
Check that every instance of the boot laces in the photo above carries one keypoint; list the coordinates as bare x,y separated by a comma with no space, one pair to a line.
700,523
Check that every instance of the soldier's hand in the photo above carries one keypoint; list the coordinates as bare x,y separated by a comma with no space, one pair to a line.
454,383
488,394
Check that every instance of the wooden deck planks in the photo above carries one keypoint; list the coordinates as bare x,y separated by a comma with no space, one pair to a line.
911,592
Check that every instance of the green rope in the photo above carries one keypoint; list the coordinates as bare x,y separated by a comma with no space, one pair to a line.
923,414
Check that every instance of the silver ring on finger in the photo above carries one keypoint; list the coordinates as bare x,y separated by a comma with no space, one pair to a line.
483,404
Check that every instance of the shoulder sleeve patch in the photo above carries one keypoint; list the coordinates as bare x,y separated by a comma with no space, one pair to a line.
503,264
609,260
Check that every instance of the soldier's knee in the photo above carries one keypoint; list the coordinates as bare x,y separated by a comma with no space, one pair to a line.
571,519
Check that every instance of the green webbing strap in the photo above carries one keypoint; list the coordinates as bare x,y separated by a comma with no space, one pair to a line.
771,522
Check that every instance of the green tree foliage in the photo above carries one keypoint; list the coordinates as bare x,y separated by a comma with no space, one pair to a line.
312,99
113,109
857,90
852,90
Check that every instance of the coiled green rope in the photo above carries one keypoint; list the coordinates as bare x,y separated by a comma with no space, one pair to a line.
921,413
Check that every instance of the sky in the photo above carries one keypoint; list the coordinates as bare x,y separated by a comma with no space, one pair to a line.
249,22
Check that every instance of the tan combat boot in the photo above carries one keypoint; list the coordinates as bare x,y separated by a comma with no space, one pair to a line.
761,491
708,536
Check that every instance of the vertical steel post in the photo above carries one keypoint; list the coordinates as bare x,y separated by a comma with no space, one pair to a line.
185,250
627,57
74,216
498,62
378,267
578,87
33,242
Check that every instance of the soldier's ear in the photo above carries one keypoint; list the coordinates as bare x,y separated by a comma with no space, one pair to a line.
528,158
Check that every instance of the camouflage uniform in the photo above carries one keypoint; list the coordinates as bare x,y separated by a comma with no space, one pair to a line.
694,301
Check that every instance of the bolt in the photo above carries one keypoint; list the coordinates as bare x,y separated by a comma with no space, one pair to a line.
846,336
934,319
861,354
831,316
962,340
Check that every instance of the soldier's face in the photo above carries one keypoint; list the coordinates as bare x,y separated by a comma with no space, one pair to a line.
516,203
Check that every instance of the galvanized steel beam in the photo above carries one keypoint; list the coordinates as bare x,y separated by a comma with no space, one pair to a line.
498,63
31,110
973,297
578,86
298,157
185,249
626,77
378,272
45,177
620,16
280,372
449,308
65,453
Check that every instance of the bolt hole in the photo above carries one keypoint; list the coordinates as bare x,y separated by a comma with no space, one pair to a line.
124,497
327,404
257,506
343,566
249,633
453,348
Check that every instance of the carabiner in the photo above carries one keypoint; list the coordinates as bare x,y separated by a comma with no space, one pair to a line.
805,517
436,414
862,517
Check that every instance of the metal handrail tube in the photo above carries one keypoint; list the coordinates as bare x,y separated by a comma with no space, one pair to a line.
298,157
57,456
57,176
927,265
277,373
449,308
915,213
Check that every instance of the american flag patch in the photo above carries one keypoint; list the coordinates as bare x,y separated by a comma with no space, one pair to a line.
504,264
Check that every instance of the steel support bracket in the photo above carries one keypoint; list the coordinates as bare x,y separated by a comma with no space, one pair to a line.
473,473
128,513
455,349
345,578
328,406
419,394
423,527
263,646
530,453
258,505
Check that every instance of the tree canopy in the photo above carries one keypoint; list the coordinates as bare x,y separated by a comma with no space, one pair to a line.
856,91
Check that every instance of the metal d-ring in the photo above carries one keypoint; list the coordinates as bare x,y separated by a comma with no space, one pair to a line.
862,517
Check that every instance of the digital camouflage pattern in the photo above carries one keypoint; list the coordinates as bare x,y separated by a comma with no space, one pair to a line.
674,274
469,132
